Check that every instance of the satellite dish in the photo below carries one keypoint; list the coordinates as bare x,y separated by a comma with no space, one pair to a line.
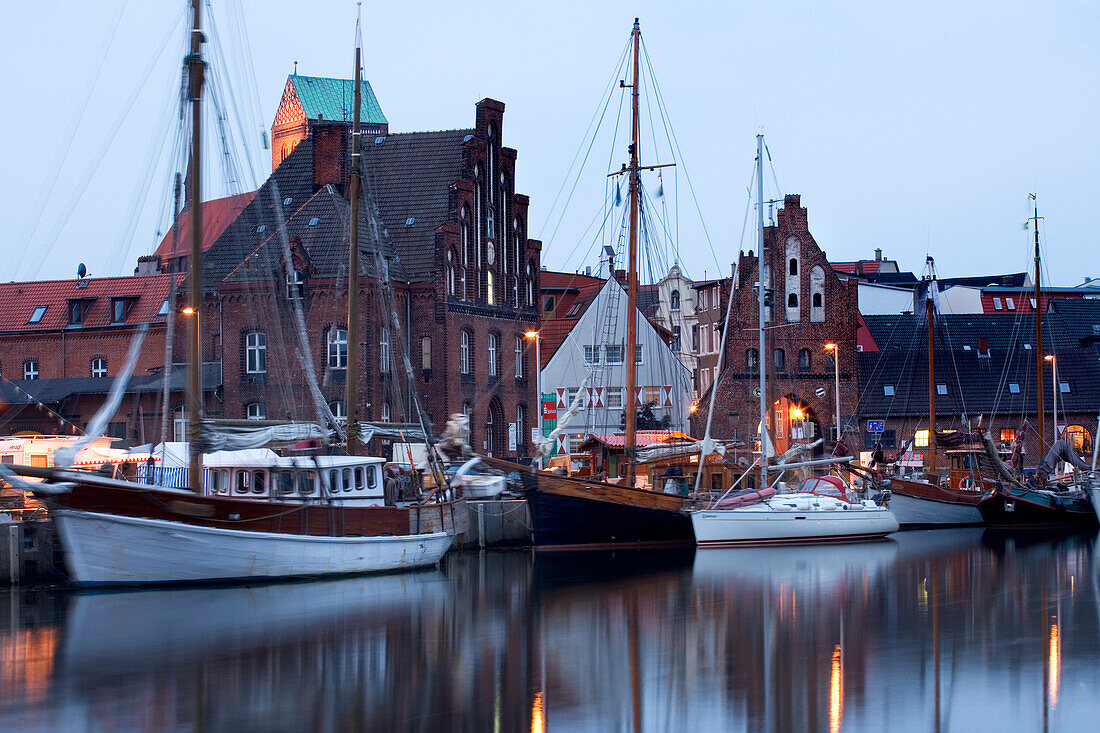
81,270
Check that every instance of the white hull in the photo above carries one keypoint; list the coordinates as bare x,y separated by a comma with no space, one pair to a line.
914,510
763,523
103,549
1094,496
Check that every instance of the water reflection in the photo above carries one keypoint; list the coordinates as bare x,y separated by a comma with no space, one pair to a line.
942,630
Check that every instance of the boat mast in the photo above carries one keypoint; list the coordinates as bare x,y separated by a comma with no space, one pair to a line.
354,183
194,383
632,276
1038,339
760,296
930,311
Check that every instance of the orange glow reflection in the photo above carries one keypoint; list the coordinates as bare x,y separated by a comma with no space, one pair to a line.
836,692
536,714
1055,663
26,663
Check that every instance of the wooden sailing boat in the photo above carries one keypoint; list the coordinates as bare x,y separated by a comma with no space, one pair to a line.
577,511
120,532
1014,503
923,501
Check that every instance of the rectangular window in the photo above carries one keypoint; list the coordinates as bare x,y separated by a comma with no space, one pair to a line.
30,370
614,354
1008,435
653,395
1011,303
920,439
997,304
1014,387
695,338
615,397
570,395
888,390
426,352
716,339
592,354
1063,386
941,389
638,354
706,340
519,360
548,303
384,350
256,353
39,311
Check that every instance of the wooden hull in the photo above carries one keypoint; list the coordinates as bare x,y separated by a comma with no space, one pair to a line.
918,503
764,525
1032,508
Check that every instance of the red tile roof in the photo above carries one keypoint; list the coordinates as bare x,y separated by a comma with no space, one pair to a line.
18,300
216,216
642,438
569,290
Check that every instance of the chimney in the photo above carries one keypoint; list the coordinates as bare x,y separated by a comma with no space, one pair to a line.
330,154
588,270
148,265
878,254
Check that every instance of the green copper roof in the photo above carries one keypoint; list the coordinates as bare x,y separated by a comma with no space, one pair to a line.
334,99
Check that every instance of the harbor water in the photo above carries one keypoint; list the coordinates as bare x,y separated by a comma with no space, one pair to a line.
940,630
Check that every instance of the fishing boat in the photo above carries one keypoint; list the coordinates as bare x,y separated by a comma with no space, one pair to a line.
822,509
584,511
125,532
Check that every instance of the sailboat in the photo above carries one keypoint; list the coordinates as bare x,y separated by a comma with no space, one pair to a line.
924,501
575,511
121,532
821,510
1011,502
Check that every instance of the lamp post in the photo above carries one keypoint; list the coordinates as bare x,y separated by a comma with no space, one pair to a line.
836,391
1054,392
534,335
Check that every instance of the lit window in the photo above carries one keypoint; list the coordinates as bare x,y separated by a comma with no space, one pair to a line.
30,370
257,411
888,390
492,349
464,353
337,348
99,367
256,353
490,294
1008,435
39,311
920,439
941,389
1014,387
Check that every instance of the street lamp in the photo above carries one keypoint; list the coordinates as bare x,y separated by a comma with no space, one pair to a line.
534,336
836,371
1054,389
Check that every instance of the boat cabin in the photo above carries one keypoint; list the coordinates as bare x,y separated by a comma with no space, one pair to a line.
356,479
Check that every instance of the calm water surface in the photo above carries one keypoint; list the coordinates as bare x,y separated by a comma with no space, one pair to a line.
950,630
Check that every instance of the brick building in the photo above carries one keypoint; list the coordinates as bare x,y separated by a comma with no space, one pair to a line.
808,307
462,272
63,341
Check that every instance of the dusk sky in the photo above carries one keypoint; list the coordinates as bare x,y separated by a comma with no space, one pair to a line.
918,128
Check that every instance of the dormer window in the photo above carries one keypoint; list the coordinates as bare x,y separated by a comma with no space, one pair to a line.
314,221
1014,387
888,390
36,316
120,309
78,311
163,308
295,285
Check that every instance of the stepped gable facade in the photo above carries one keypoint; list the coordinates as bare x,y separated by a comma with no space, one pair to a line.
462,272
809,307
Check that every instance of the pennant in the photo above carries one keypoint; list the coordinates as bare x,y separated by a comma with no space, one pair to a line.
660,185
618,194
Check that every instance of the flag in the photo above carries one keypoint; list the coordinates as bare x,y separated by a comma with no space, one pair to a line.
618,194
1027,224
660,185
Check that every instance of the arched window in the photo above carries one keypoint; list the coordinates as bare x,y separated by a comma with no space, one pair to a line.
780,360
490,221
384,350
804,360
530,284
464,225
817,300
256,353
464,352
490,289
674,300
519,357
284,152
99,366
386,414
452,274
752,360
256,411
492,352
792,299
817,294
339,410
521,420
489,430
337,348
426,352
793,266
